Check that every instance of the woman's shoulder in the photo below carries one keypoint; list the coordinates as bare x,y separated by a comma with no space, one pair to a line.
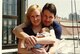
27,27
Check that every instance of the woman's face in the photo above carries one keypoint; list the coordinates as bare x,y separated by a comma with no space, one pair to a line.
35,17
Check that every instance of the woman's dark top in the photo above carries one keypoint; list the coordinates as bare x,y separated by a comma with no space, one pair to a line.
29,31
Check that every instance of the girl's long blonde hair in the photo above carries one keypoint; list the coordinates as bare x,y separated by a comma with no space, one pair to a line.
27,15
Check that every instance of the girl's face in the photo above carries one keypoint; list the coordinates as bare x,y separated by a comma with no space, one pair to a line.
35,17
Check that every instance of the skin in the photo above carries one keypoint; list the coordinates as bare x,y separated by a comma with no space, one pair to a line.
35,17
47,18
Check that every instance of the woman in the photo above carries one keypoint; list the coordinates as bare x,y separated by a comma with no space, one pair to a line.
34,26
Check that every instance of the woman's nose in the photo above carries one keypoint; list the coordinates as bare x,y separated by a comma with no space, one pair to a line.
35,18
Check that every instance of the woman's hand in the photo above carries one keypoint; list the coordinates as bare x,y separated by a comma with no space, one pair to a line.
39,51
30,42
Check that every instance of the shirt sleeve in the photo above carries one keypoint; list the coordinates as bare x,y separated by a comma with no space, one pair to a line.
57,29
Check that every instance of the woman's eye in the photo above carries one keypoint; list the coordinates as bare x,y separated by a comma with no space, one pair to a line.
37,15
32,16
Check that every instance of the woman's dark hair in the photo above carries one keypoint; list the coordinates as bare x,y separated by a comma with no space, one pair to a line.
51,7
